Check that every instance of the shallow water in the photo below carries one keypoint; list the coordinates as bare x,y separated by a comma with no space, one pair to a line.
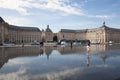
102,62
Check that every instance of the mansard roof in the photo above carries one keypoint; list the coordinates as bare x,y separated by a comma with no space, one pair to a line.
108,28
48,29
73,31
1,20
104,26
23,28
115,29
84,30
67,30
89,30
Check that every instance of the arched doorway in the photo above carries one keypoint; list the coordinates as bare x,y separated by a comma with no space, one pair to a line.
55,39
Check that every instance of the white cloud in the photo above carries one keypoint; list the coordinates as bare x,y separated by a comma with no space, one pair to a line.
64,7
99,16
16,20
13,5
22,6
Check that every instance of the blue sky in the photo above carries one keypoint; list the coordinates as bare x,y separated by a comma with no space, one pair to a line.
61,14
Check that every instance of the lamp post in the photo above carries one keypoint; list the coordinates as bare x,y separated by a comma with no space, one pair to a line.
22,39
2,33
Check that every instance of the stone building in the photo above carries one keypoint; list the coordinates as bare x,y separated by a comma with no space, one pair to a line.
43,35
112,34
97,35
18,34
3,31
72,34
102,34
66,34
23,34
48,34
81,34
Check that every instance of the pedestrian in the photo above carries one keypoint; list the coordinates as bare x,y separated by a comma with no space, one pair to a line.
71,43
88,47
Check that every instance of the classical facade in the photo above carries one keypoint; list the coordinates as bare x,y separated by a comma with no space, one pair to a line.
18,34
103,34
72,34
66,34
47,35
23,34
97,35
3,30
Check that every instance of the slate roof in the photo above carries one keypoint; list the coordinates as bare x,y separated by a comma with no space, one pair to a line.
67,31
23,28
115,29
84,30
48,29
108,28
1,20
73,31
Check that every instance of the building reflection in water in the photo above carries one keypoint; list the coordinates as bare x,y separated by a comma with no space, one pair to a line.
99,50
48,51
68,50
102,51
13,52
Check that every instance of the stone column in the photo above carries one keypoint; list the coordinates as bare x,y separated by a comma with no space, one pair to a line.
2,33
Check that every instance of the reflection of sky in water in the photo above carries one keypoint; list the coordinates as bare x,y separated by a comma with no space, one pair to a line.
96,65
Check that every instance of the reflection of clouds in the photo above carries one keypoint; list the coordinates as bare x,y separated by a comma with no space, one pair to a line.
20,75
57,75
17,62
15,75
22,61
105,65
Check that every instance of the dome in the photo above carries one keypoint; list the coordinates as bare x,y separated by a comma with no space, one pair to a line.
48,29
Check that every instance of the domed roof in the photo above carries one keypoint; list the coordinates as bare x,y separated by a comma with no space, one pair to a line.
48,29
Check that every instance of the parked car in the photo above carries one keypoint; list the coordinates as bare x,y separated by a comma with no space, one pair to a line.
9,44
35,43
1,44
63,43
